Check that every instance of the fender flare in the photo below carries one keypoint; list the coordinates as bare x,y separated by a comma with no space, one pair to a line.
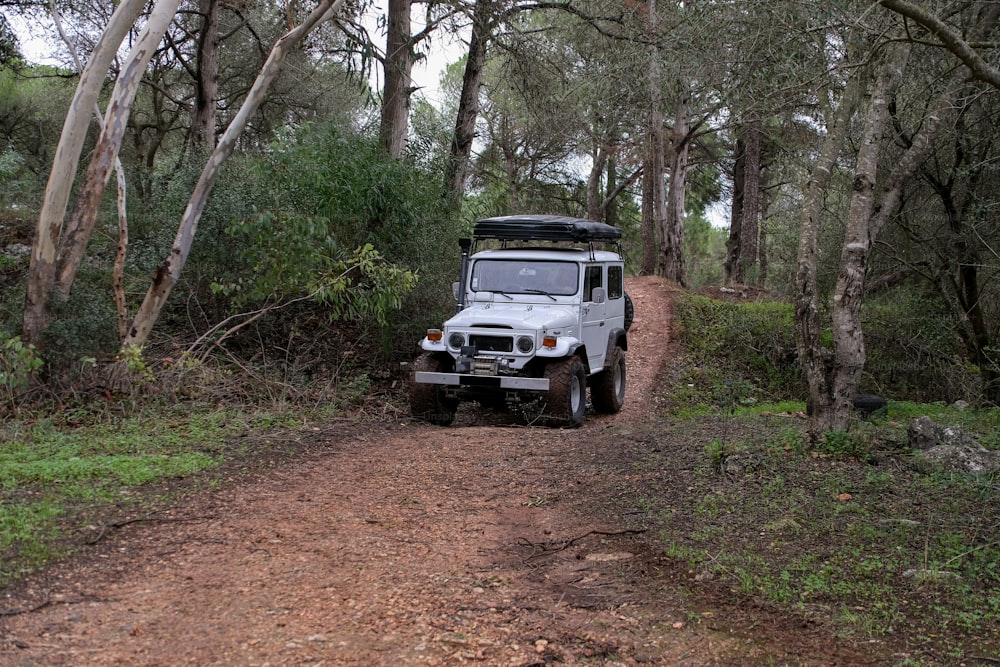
616,338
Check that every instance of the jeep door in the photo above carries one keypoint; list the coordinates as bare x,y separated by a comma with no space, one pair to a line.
595,333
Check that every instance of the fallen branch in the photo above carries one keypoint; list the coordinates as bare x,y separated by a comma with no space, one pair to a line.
148,517
28,610
116,525
546,551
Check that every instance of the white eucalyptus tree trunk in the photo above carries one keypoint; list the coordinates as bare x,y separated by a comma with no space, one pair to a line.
41,271
81,222
167,274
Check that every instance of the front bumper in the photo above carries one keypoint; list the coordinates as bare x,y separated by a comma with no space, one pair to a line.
482,381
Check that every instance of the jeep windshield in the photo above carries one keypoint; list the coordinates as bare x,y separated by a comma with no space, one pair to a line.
523,276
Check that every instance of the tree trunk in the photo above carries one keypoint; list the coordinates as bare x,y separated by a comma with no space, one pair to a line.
207,83
731,267
167,274
750,227
41,271
848,338
979,341
457,167
964,288
653,195
743,243
813,357
762,258
672,230
118,271
833,397
595,198
398,80
609,206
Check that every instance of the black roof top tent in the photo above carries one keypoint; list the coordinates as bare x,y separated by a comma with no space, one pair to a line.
544,228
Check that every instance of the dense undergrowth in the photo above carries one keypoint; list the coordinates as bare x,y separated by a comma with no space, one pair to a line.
854,530
744,351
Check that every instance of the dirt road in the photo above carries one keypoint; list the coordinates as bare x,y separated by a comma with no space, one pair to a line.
403,544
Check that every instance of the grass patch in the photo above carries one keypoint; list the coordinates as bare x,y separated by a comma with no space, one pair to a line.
56,475
846,531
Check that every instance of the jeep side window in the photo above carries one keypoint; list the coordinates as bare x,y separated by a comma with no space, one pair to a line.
616,282
591,280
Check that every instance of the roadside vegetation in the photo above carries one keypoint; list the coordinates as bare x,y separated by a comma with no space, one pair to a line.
852,527
328,246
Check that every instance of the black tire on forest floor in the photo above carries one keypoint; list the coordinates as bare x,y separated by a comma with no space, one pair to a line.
866,404
566,399
607,388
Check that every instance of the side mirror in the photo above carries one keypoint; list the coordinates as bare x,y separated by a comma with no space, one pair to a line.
597,295
455,290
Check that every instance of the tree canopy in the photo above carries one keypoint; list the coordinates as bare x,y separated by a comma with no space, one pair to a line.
841,137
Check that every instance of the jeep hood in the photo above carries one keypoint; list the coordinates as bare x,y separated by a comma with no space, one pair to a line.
515,316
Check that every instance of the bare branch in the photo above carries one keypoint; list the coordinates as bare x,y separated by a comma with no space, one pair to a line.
981,70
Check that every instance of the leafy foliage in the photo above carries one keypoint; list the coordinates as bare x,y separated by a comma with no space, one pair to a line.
746,351
913,350
17,364
749,344
32,103
328,200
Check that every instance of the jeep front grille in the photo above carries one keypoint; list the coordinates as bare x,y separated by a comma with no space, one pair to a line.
492,343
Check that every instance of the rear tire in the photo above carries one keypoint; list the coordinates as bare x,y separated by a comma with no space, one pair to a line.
607,388
566,399
428,401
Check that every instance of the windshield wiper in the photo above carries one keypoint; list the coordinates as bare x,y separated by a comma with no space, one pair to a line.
540,291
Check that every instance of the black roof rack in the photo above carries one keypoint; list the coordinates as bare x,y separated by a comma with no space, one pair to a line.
544,228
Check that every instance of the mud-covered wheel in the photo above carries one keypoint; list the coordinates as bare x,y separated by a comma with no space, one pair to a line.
629,312
566,399
427,401
607,388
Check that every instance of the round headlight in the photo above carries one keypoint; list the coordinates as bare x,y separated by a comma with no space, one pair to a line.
525,344
456,341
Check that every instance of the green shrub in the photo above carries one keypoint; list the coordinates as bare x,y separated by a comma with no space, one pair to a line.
17,364
913,352
749,348
320,196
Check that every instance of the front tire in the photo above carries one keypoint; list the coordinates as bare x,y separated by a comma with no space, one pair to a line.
566,399
427,401
607,388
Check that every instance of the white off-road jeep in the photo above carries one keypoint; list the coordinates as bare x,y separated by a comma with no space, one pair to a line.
542,314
